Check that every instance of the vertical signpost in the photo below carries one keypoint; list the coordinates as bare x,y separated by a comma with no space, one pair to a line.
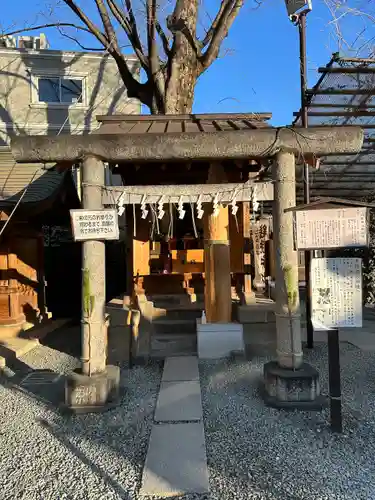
297,11
336,283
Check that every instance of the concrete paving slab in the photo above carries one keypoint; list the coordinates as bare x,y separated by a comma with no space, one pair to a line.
179,402
180,368
176,462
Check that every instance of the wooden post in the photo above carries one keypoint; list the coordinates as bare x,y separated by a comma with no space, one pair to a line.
249,295
236,250
218,299
94,332
260,234
141,248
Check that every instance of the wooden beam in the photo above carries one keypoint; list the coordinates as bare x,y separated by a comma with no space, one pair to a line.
340,92
168,118
133,195
351,70
343,114
185,147
338,106
348,163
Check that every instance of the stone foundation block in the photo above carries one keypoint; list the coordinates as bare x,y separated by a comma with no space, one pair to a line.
257,313
292,389
84,394
219,340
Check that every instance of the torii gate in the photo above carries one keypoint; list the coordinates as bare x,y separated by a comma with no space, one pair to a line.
281,144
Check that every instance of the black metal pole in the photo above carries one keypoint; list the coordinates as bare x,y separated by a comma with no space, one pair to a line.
334,380
306,184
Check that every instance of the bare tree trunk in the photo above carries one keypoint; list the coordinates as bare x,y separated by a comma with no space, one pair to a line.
183,67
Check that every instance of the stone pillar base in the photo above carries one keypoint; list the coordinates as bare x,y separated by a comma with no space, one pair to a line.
100,392
292,389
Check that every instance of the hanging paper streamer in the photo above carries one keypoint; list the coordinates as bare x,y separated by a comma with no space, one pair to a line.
143,208
234,205
120,205
255,200
180,208
161,212
216,208
200,211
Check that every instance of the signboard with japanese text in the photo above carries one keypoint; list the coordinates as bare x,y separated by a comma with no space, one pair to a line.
336,293
295,6
94,224
331,228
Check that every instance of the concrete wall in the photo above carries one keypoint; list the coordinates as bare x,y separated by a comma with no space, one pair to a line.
20,111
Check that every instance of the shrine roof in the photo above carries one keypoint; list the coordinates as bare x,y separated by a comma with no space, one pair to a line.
40,180
329,202
343,95
157,124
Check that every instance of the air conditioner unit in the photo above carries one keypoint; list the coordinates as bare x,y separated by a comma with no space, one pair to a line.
8,42
33,42
41,42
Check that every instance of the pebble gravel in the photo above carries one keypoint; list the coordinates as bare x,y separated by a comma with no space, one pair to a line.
259,453
47,456
253,452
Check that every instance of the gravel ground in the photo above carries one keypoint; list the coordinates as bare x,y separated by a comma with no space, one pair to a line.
258,453
47,456
254,452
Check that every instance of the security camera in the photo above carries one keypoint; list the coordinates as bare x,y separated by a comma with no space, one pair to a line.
294,18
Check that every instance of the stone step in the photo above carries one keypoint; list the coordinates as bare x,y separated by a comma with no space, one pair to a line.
177,300
166,345
181,313
165,326
176,462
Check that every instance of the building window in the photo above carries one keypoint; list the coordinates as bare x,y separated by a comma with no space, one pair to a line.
60,90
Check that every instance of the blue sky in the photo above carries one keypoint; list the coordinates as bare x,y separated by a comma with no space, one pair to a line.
261,69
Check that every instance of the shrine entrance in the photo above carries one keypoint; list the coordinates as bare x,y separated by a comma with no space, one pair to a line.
240,165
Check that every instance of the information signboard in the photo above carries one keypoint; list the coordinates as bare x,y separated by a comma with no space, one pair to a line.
336,293
331,228
94,224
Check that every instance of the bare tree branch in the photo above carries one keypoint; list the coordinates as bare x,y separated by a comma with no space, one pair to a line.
163,38
213,26
43,26
75,39
229,12
131,32
134,87
107,23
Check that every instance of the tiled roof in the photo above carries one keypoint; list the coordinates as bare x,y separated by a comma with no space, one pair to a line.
159,124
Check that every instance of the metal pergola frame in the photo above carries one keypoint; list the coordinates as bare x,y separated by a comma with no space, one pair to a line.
343,95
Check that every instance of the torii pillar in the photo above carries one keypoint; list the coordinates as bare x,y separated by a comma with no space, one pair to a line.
289,382
95,386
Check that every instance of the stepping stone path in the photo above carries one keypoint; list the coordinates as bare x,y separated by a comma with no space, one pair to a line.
176,462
